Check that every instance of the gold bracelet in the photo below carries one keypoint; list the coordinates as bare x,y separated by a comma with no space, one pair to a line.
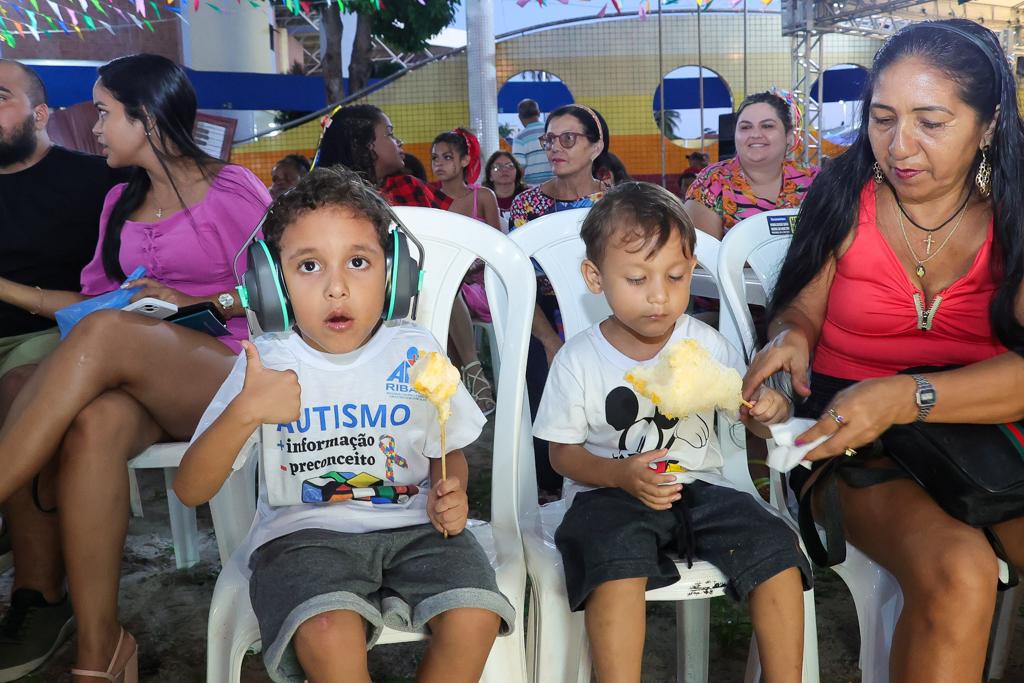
42,298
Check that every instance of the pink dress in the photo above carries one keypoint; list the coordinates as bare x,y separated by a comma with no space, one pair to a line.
192,255
473,292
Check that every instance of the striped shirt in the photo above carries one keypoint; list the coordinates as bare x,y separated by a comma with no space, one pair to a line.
527,151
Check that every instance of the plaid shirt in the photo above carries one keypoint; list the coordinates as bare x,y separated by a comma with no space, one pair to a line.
406,190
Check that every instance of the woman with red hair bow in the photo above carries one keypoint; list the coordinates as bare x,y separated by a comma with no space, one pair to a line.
455,161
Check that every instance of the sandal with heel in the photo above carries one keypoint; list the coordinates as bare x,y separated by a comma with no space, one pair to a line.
478,386
128,674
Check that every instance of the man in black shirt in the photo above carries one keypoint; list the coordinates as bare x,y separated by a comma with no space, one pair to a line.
50,204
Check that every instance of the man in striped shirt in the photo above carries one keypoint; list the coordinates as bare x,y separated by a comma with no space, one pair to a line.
526,145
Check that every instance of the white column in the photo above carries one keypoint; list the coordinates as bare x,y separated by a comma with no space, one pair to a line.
483,78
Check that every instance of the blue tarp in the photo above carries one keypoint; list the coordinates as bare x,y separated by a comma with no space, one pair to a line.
68,85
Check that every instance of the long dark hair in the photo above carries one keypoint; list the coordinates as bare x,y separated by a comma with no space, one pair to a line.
347,140
489,182
972,58
594,127
155,88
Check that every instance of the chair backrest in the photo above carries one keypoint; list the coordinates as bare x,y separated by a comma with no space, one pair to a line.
554,242
452,243
761,242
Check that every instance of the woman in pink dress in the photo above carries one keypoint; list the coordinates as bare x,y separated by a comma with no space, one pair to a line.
122,381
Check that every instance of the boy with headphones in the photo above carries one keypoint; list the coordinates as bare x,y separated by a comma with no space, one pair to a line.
348,531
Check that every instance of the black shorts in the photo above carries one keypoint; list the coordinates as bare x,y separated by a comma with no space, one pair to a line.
608,535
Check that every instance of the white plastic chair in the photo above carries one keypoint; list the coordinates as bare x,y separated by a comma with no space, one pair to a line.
232,508
452,243
761,242
557,642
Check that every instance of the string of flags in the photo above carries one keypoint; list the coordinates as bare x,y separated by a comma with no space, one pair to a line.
21,18
38,18
644,8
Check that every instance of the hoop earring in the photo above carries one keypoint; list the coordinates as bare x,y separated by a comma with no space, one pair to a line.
983,178
876,171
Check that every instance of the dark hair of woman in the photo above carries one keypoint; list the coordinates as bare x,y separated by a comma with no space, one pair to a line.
615,167
488,169
780,106
347,140
414,167
586,118
152,89
972,58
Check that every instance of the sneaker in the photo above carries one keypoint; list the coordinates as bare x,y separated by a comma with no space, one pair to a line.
31,631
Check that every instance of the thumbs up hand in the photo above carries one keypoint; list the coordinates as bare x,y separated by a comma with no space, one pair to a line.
268,396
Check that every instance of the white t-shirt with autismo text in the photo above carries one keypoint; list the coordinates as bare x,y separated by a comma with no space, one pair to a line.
587,401
358,457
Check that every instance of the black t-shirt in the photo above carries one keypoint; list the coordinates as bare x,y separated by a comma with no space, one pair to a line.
49,221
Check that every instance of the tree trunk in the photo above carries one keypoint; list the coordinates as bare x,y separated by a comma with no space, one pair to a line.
360,64
331,62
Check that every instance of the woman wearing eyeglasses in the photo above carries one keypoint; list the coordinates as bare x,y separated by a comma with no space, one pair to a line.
504,176
575,137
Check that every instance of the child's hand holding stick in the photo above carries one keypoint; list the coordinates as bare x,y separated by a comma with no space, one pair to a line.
435,377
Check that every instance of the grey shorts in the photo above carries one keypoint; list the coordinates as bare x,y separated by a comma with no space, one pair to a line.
608,535
401,578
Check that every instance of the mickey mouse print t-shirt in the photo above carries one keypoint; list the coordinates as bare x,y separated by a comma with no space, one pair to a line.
358,457
587,401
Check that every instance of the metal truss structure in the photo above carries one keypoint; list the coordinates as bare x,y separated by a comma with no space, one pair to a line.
807,21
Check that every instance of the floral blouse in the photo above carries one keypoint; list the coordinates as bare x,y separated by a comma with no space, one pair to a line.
724,189
533,203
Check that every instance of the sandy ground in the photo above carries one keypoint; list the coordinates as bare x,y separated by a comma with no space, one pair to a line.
166,610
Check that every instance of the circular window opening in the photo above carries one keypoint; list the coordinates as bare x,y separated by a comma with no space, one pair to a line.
544,87
679,117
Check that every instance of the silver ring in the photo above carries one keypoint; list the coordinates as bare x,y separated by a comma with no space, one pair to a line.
840,420
850,452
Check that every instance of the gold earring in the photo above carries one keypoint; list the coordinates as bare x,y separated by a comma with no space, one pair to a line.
983,178
876,170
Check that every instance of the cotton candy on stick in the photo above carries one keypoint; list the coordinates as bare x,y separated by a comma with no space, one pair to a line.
687,380
434,376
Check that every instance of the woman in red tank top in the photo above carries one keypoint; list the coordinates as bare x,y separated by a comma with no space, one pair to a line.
909,252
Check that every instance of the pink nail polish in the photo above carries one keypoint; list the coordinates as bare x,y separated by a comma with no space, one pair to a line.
799,442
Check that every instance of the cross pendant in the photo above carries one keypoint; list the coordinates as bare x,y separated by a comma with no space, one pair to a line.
928,244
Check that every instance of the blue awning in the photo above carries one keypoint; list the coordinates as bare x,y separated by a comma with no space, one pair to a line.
68,85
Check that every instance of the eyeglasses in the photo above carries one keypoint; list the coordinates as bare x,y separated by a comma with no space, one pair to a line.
508,166
567,140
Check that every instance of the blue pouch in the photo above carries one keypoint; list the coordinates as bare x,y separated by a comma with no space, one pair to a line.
69,316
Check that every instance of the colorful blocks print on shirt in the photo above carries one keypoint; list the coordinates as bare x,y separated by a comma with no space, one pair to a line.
334,487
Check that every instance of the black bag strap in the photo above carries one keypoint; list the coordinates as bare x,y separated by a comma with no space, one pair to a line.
854,474
833,552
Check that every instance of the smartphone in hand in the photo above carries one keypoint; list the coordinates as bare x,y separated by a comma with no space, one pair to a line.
203,317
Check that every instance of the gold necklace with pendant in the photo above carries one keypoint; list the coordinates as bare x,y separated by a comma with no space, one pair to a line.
920,270
159,212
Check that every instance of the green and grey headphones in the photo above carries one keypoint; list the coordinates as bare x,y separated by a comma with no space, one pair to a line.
262,288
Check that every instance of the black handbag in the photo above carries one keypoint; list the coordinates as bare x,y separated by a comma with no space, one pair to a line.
975,472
